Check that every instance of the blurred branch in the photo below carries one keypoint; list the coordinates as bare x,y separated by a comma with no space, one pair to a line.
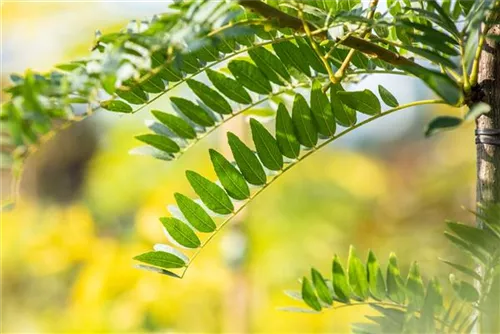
281,19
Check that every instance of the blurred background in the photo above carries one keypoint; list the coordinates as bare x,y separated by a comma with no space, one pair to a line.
87,207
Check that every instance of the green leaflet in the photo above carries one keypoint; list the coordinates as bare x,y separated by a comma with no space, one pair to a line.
415,287
437,44
395,285
229,87
160,142
192,111
464,290
309,296
357,276
133,95
440,83
250,76
210,97
463,269
476,237
285,134
387,97
179,126
211,194
339,281
344,115
161,259
206,53
444,16
153,85
246,160
195,214
180,232
266,146
303,122
442,123
116,106
375,277
188,63
171,73
466,6
393,319
308,53
475,252
433,303
430,32
168,72
290,55
363,101
229,176
270,65
321,288
431,55
322,110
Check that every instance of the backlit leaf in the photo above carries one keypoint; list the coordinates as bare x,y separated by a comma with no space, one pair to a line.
193,111
363,101
321,287
309,296
246,160
375,277
285,134
195,214
266,146
442,123
210,97
395,284
387,97
229,87
116,106
322,110
211,194
161,259
179,126
339,281
229,176
160,142
415,287
180,232
270,65
250,76
303,122
344,115
357,276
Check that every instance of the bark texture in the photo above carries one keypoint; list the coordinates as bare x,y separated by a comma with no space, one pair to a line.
488,160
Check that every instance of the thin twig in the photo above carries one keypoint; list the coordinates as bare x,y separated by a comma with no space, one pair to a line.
315,47
341,71
296,162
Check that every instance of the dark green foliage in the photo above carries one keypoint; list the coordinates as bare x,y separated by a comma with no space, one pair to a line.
180,232
247,161
230,178
174,48
412,306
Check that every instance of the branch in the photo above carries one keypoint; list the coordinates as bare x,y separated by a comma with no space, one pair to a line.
296,162
281,19
366,33
375,50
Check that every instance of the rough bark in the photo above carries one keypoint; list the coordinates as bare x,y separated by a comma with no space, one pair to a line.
488,160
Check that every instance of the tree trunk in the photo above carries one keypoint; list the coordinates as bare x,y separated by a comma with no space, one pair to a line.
488,160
